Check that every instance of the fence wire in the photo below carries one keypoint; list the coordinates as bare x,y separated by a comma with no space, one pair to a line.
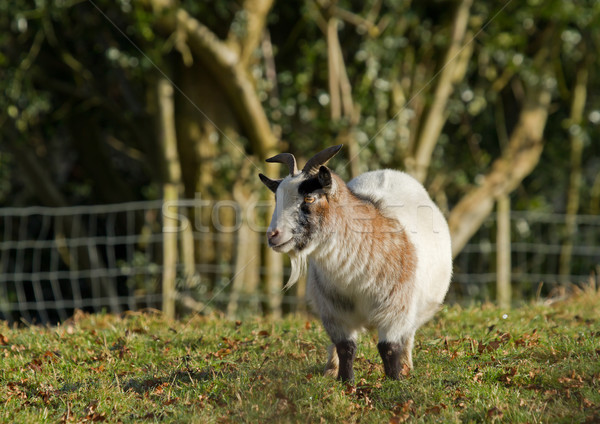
109,258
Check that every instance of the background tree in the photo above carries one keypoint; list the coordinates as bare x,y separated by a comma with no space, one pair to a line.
478,100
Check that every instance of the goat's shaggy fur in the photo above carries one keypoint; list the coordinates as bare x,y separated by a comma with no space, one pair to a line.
378,251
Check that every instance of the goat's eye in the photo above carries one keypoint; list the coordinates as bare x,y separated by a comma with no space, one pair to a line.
309,199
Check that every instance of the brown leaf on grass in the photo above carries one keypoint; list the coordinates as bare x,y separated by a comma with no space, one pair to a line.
98,369
170,401
397,419
120,347
15,390
436,409
507,377
573,381
35,365
362,391
491,346
404,407
38,362
587,403
3,340
402,412
307,325
221,353
45,395
159,390
459,398
494,413
350,389
263,333
528,339
92,414
51,356
405,370
570,382
503,337
231,343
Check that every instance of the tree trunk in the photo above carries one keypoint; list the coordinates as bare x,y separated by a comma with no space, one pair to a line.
226,66
247,262
507,172
435,119
503,260
172,187
576,138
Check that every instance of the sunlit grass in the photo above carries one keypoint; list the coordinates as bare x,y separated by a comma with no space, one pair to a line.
537,363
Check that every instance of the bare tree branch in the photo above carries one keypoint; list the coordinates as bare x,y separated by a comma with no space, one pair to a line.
436,115
256,16
227,67
333,64
507,172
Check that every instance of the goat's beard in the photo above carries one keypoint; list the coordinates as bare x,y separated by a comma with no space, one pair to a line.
299,263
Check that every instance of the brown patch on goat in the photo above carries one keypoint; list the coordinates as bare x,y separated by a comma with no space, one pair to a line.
362,216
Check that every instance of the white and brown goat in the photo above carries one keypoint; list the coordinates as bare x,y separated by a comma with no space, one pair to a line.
378,250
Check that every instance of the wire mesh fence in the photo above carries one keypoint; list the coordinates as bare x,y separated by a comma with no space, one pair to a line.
110,258
538,242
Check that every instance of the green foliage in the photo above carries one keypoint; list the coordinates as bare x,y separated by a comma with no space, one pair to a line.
95,64
538,363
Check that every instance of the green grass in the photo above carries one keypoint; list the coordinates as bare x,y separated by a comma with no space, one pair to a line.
539,363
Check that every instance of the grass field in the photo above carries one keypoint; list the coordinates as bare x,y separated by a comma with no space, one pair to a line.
537,363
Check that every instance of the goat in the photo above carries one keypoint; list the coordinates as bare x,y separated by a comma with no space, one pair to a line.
378,250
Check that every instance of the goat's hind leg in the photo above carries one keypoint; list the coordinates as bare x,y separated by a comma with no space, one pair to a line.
396,355
333,362
342,352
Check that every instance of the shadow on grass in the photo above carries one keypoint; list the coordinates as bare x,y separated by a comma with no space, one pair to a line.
185,376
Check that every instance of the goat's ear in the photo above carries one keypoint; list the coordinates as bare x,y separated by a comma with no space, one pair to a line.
271,184
324,177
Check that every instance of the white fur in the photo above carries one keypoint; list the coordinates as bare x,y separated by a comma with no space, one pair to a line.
337,260
405,199
338,263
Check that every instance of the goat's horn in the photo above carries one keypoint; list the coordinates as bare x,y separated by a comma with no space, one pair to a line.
288,159
321,158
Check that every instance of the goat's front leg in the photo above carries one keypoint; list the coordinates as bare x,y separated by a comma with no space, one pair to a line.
346,351
396,355
342,351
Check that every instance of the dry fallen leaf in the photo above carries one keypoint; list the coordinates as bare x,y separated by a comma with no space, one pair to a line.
405,370
495,413
436,409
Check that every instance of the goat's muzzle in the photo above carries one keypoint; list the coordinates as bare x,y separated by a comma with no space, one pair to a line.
275,239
